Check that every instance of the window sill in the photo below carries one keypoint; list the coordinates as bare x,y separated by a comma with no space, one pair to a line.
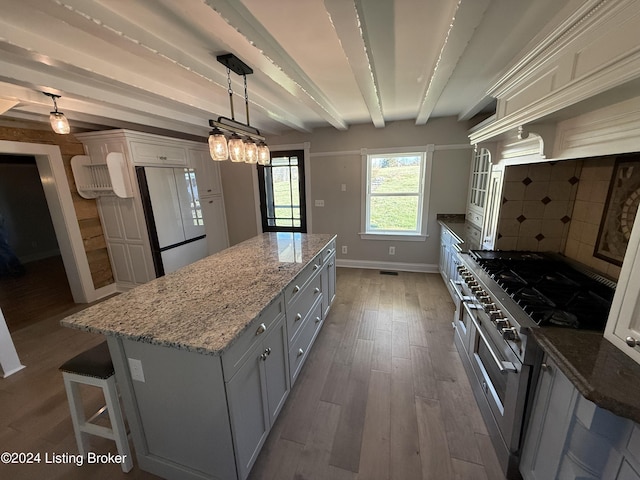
412,237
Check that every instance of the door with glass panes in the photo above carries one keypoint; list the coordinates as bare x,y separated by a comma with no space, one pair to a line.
282,194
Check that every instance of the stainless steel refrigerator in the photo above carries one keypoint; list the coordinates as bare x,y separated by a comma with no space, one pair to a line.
173,216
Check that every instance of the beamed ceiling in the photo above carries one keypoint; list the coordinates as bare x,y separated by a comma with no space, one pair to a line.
151,64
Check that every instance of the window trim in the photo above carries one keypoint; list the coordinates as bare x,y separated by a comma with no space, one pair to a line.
423,208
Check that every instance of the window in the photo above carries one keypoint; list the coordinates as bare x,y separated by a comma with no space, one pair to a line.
282,193
395,193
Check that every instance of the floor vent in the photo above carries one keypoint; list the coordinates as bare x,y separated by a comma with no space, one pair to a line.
387,272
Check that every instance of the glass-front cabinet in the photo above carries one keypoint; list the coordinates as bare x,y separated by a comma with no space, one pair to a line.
478,185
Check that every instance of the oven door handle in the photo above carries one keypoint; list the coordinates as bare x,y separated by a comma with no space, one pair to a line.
504,367
463,298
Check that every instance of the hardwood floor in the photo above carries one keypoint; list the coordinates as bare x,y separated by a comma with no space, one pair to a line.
42,291
383,395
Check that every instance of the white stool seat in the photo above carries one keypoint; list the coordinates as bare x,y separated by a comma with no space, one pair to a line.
94,367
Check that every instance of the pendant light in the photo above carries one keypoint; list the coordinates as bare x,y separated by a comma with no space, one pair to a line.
59,122
218,148
245,143
236,148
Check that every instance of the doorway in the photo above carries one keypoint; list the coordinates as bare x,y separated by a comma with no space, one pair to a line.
282,193
33,280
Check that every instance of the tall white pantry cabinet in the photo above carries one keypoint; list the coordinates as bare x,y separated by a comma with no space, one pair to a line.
123,220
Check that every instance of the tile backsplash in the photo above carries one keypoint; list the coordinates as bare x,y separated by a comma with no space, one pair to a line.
587,214
557,207
537,205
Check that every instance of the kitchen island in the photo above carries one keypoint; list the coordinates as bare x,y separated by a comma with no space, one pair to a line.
205,357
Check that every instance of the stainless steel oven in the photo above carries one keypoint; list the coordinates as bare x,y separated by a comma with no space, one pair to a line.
501,297
498,358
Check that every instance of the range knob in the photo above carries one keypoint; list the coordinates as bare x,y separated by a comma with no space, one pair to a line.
472,283
461,269
489,306
477,290
502,323
510,333
484,298
495,314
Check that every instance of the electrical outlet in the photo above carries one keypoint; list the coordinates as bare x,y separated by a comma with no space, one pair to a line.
319,203
343,187
344,249
135,367
392,250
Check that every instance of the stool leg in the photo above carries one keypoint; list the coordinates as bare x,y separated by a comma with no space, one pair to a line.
77,413
117,422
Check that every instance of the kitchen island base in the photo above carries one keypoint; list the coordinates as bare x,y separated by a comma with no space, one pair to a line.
205,357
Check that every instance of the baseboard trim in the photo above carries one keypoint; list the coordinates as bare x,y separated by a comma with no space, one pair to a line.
399,266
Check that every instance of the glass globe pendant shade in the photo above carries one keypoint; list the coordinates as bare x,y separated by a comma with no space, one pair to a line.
236,148
218,145
264,156
59,123
250,151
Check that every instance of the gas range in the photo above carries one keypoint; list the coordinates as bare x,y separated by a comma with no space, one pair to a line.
551,291
500,297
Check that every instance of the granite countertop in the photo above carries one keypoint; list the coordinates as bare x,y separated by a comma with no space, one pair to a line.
205,306
466,232
598,369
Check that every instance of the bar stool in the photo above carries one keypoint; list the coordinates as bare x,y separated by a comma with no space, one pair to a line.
94,367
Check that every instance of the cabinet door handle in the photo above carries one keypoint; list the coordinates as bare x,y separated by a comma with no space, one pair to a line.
331,264
315,266
298,317
300,352
545,367
209,190
316,290
261,329
632,342
210,201
317,319
296,289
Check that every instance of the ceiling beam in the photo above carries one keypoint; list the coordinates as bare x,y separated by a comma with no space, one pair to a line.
237,15
348,27
466,19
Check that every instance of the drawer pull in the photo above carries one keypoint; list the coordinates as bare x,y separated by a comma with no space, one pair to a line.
266,353
315,266
298,317
261,329
162,157
317,319
300,352
296,289
331,264
316,290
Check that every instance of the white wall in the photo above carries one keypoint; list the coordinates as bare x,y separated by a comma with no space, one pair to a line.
336,159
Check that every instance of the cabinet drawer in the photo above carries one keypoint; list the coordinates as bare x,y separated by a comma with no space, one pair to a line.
473,233
299,349
474,218
298,310
148,153
293,290
328,251
233,358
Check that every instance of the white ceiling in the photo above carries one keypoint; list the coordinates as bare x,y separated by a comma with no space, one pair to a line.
150,64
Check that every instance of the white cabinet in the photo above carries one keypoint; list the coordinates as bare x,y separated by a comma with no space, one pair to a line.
569,437
328,283
256,394
623,326
449,248
207,172
478,184
492,209
158,153
211,198
123,219
554,403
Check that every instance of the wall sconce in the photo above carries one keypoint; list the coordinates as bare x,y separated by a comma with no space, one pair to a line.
245,144
59,122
